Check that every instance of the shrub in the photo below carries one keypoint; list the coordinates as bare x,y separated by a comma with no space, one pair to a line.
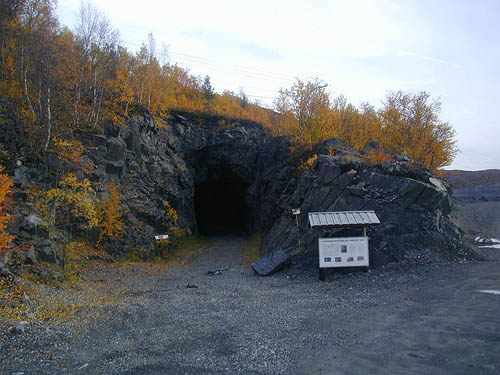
6,183
71,201
111,223
377,157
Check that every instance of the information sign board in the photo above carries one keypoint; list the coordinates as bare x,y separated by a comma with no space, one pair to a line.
343,252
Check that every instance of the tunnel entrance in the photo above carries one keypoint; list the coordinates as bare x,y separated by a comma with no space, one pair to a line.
221,207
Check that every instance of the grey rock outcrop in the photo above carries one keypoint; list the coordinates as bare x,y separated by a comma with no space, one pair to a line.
412,205
167,160
172,158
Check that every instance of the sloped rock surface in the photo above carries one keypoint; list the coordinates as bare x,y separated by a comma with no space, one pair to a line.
412,205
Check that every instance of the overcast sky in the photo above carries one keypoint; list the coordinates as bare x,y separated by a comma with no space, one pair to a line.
362,49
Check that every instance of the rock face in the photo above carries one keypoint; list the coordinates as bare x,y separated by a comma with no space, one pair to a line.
230,176
412,205
221,176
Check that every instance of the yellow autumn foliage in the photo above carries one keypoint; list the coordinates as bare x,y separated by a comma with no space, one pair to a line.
170,212
5,189
82,87
175,233
73,200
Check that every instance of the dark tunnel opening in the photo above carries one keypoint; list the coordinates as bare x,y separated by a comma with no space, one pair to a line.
221,207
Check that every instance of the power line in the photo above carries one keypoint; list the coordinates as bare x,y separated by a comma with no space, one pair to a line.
255,73
260,74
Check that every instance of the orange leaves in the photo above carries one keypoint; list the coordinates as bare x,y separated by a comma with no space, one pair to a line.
300,153
378,157
111,224
71,151
311,160
5,189
62,81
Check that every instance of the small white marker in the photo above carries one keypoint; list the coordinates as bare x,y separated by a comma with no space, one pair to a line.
82,367
161,237
490,291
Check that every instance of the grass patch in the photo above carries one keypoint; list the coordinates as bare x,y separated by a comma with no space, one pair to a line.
133,256
188,247
51,293
24,300
44,273
58,308
79,255
178,255
251,248
81,252
21,302
13,299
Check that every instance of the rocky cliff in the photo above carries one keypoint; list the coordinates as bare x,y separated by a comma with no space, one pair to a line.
228,176
413,206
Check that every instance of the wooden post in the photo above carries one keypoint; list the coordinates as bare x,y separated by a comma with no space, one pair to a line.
298,230
364,231
322,274
296,212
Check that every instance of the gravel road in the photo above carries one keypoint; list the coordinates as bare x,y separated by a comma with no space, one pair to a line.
184,320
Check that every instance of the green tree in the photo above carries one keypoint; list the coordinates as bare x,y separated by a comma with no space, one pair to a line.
208,91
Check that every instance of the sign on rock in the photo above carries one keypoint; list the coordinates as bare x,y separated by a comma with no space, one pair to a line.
161,237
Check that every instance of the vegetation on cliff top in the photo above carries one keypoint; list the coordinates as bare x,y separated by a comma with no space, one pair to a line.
57,81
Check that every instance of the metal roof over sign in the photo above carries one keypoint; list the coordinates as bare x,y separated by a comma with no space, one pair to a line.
342,218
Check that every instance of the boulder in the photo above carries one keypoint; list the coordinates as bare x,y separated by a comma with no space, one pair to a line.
116,149
24,257
31,223
18,328
271,263
21,176
48,251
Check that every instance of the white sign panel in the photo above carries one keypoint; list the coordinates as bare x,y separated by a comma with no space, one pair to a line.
343,252
161,237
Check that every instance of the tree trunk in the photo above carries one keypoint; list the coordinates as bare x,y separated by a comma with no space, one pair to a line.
52,219
26,94
48,122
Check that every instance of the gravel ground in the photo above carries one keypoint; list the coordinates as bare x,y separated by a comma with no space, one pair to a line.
183,320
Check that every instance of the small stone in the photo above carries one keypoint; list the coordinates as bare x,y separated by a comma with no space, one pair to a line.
18,328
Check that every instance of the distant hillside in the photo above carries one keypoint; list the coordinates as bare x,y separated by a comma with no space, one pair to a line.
467,179
477,198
